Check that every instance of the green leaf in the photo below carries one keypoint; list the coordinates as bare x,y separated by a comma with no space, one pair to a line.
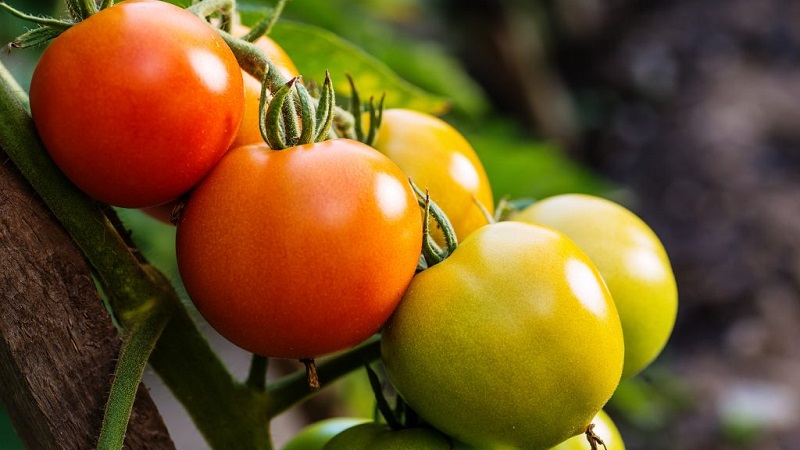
520,167
314,50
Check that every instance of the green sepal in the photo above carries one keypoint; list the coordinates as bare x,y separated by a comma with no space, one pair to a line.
439,216
272,123
431,251
307,114
325,109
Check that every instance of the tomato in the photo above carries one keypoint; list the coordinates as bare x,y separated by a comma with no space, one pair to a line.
438,158
513,341
631,260
371,436
604,428
249,132
299,252
136,103
316,435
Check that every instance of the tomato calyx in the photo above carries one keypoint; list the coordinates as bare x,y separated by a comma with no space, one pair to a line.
279,117
49,28
432,253
375,113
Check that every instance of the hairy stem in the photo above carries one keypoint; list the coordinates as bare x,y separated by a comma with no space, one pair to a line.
137,344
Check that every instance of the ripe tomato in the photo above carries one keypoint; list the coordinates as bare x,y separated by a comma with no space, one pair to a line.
136,103
299,252
249,132
631,260
371,436
513,341
438,158
604,428
316,435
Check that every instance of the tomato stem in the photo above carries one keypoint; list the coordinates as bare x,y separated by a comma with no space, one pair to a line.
138,342
43,21
311,373
207,8
265,26
380,399
257,376
593,439
81,9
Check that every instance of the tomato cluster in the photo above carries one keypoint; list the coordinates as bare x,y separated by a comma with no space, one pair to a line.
515,336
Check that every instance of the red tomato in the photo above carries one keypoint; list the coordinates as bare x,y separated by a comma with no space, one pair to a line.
299,252
136,103
249,132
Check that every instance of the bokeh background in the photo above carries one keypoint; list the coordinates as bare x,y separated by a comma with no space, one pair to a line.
686,111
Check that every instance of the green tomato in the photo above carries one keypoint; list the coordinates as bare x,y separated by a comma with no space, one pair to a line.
374,436
316,435
631,260
604,428
511,342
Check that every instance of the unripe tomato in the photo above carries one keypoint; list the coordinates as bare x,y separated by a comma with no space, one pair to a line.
374,436
438,158
604,428
316,435
631,260
136,103
299,252
249,132
513,341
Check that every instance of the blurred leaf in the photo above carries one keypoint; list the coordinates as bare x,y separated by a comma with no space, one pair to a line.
314,50
8,437
520,167
389,30
652,399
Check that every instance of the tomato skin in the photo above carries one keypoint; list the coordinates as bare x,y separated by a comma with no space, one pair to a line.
317,434
137,102
632,261
438,158
511,342
604,428
249,132
371,436
299,252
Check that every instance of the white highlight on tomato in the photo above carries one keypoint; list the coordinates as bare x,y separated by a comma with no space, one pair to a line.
587,286
463,172
210,69
391,196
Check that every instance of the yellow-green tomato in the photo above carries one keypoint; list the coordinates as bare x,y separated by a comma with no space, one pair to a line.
604,428
438,158
377,436
316,435
513,341
631,260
